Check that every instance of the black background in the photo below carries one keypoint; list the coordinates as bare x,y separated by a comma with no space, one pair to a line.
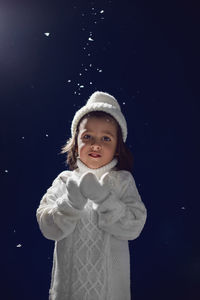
145,53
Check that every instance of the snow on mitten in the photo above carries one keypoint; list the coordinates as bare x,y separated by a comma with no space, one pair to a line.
92,189
73,198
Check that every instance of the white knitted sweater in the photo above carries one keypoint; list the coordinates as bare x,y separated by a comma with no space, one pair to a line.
91,255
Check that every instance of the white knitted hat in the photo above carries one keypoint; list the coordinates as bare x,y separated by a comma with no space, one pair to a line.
100,101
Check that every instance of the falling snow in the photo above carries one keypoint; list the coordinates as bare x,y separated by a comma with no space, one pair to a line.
19,246
47,33
93,17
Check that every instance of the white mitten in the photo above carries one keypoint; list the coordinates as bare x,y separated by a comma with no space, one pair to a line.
74,198
93,189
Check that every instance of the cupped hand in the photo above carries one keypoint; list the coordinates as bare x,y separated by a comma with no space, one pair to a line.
93,189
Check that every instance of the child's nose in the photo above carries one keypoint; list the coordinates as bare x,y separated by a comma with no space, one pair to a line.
96,147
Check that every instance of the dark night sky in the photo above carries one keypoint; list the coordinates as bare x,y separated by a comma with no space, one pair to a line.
145,53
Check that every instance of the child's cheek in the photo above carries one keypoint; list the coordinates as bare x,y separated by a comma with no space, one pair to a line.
81,146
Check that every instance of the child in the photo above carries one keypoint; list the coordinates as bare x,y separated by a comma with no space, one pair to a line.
93,210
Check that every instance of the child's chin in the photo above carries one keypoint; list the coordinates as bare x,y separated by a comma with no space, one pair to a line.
95,165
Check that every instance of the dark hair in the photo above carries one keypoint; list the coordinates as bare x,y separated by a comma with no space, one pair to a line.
124,155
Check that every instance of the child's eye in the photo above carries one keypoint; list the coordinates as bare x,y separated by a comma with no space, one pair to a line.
87,137
106,139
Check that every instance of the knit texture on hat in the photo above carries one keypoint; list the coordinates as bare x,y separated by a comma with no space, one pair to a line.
101,101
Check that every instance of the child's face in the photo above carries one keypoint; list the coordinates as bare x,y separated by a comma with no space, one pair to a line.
97,141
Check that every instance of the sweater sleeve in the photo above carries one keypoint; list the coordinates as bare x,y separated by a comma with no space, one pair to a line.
56,216
123,213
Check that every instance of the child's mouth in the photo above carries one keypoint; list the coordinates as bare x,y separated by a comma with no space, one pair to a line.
95,155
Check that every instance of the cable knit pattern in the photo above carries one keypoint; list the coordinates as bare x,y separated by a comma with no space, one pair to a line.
91,255
90,270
